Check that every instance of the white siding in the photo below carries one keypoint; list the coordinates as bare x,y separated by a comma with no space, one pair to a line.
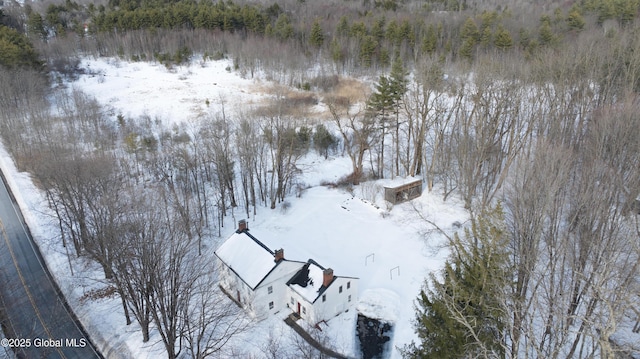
337,302
334,304
236,288
277,279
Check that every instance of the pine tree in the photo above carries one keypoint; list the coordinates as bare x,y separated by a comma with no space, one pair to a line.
503,39
429,40
336,51
35,26
470,30
575,21
283,28
546,35
398,80
463,314
367,49
316,38
377,30
16,50
343,26
323,140
466,49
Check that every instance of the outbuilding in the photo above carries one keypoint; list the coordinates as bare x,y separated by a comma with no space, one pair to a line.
402,189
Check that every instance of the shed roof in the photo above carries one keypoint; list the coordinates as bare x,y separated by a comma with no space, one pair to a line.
399,181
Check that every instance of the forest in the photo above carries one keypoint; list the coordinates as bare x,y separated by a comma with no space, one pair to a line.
526,111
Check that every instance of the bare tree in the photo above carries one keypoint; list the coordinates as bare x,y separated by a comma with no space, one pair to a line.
275,347
423,105
359,134
250,147
135,263
176,270
573,241
211,319
489,132
286,145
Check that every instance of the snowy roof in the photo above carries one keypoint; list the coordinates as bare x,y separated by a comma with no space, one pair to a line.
399,181
308,281
247,257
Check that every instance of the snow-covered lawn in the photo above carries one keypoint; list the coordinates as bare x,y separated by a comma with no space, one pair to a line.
350,230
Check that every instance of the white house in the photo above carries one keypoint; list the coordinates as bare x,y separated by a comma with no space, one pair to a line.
252,274
263,282
315,294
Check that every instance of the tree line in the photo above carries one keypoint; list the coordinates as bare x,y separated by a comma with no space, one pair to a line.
353,38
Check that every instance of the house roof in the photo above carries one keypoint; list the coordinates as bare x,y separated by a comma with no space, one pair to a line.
249,258
308,281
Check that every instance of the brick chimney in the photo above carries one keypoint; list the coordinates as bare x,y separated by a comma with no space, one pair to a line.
279,255
327,277
242,226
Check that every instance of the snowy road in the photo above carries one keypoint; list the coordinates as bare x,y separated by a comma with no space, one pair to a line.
39,324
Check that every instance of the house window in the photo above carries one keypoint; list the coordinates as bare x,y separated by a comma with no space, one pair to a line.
340,289
270,289
349,297
270,305
304,310
324,297
348,285
293,301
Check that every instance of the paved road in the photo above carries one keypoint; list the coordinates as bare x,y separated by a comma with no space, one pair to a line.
34,308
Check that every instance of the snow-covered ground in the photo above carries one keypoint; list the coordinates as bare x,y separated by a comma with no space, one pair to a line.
353,232
176,95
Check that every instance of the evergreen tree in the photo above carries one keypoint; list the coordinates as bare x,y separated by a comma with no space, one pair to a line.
406,33
606,10
283,29
16,50
393,31
429,40
359,30
466,49
377,30
463,314
382,99
336,51
575,21
626,10
486,37
323,140
35,26
343,26
398,81
367,49
503,40
470,31
546,35
316,38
